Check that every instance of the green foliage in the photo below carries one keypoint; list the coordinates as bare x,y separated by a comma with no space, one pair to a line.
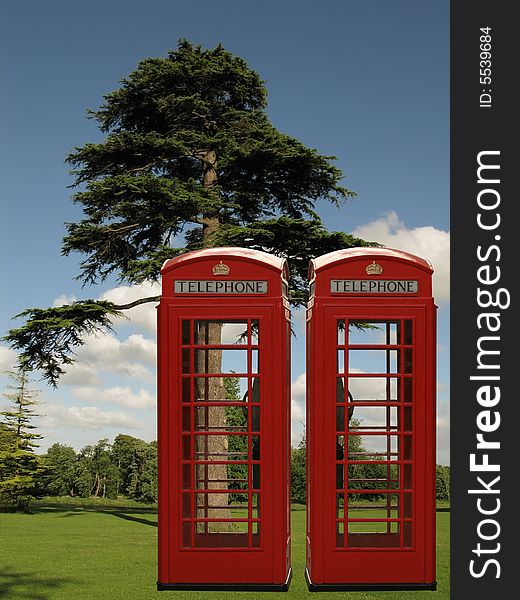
126,467
236,416
59,473
443,482
137,464
188,139
298,474
49,335
189,160
19,466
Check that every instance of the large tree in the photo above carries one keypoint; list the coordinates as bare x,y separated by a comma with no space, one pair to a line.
189,160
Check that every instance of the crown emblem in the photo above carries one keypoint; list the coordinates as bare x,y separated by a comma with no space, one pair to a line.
221,269
374,268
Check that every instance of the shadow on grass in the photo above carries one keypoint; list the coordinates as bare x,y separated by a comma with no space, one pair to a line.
128,513
24,585
126,517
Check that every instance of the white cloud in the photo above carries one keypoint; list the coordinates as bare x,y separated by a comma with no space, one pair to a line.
87,417
123,396
8,358
63,300
80,373
134,358
426,242
144,315
297,409
298,398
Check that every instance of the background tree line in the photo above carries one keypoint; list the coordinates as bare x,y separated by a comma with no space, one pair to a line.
128,466
374,472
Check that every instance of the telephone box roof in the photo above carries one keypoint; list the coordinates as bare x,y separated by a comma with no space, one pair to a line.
248,254
361,252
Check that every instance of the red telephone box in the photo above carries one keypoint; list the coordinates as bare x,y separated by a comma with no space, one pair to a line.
224,422
371,422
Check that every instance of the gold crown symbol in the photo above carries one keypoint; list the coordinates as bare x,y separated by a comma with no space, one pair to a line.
221,269
374,269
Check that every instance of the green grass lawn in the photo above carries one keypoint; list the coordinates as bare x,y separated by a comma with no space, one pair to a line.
108,551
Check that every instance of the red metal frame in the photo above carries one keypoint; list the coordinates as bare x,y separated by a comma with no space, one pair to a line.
353,543
207,542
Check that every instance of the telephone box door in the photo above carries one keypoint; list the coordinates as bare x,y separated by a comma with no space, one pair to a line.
377,437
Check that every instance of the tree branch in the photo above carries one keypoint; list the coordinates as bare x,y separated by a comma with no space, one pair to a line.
137,302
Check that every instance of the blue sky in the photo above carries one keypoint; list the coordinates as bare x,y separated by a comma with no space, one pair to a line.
367,82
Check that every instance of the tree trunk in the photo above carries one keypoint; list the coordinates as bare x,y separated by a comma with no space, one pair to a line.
212,447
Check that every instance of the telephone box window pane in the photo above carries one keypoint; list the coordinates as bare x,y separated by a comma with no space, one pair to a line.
373,477
221,418
340,390
407,537
384,445
377,389
341,332
408,332
374,418
223,478
217,360
255,332
186,418
408,360
340,478
222,527
373,361
340,418
256,477
407,421
373,332
255,506
254,361
186,447
341,361
186,506
186,535
186,330
256,535
255,389
407,447
186,362
373,506
408,396
340,506
407,506
407,476
220,332
222,505
255,418
186,389
220,448
255,447
186,477
374,527
220,389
